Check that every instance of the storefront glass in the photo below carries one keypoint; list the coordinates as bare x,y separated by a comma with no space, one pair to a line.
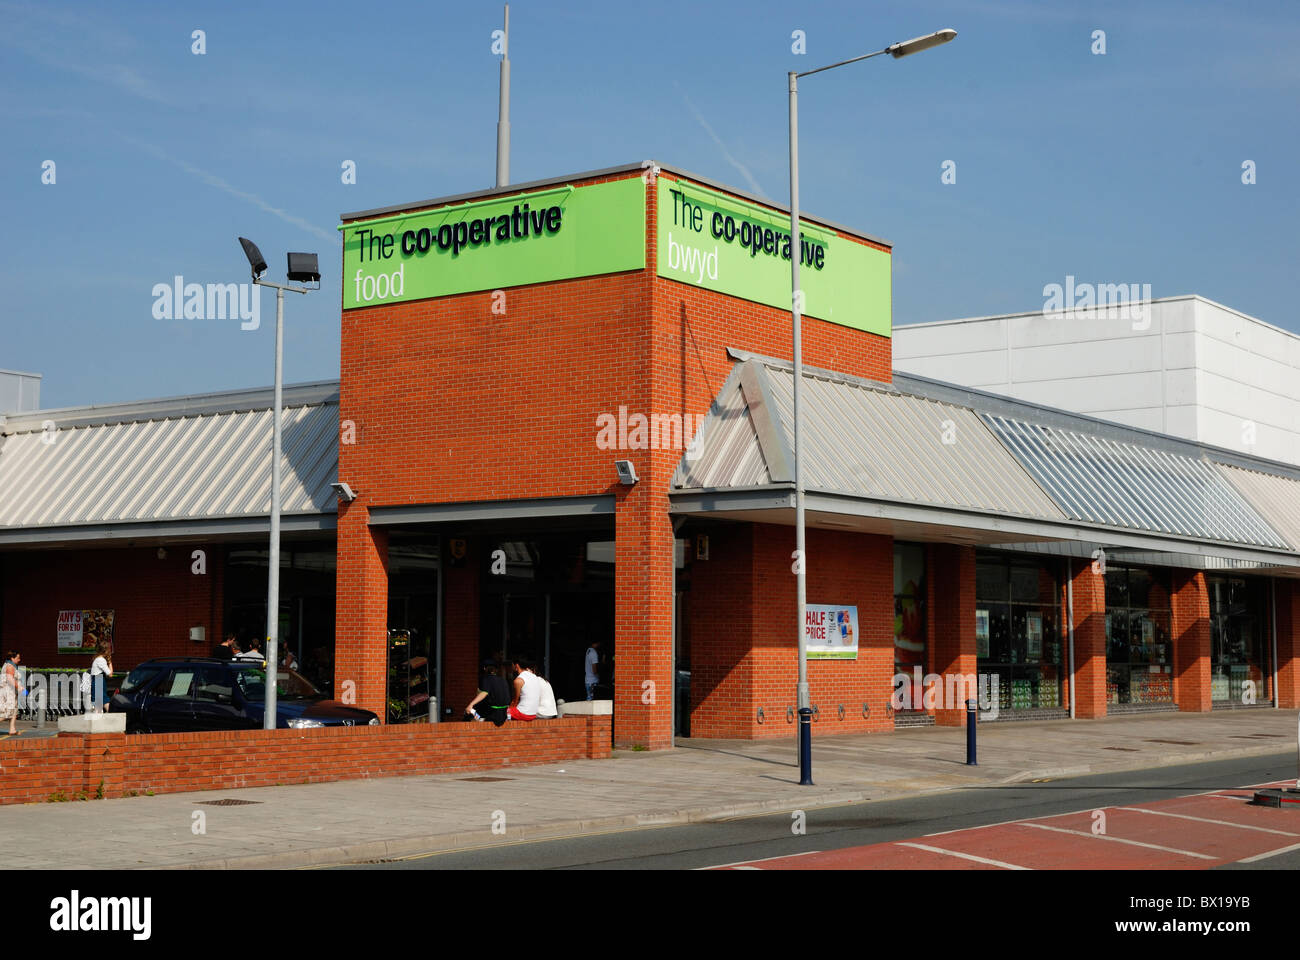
307,590
909,607
1139,654
1017,631
1240,645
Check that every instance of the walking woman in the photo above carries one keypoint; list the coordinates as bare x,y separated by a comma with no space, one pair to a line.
9,689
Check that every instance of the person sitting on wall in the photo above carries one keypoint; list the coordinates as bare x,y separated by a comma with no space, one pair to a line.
224,650
546,708
528,692
493,695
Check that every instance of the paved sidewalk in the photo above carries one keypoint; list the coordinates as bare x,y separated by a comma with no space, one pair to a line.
359,820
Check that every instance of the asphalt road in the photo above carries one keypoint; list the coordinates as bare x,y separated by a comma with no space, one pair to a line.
1185,817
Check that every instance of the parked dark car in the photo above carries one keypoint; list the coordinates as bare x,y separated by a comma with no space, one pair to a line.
175,695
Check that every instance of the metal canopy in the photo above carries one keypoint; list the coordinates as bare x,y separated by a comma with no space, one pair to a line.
1120,484
863,440
100,471
882,460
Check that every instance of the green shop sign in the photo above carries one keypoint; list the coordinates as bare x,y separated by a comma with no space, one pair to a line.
709,239
499,242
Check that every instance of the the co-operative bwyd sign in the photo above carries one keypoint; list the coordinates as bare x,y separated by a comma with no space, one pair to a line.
719,242
500,242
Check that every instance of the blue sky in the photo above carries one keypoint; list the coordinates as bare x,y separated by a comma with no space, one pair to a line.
1116,168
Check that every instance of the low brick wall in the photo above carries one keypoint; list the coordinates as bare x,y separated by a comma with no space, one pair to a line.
37,770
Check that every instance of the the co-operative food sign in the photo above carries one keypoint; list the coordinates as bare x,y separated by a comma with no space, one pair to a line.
500,242
716,241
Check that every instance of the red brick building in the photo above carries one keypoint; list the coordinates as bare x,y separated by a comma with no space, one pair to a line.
502,352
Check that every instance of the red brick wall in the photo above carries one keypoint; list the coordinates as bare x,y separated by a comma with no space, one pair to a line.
36,770
721,612
180,762
155,601
445,395
361,618
1089,641
1191,638
743,640
953,571
460,633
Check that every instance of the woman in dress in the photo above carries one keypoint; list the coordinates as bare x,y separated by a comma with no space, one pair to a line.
9,688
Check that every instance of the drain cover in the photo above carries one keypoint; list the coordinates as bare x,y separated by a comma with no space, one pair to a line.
228,802
486,779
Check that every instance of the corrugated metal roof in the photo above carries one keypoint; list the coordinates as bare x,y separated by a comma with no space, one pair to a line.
860,440
1119,484
162,468
726,452
1276,498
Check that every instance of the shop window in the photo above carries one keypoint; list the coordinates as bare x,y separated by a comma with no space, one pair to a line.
1139,652
1017,631
1240,654
909,607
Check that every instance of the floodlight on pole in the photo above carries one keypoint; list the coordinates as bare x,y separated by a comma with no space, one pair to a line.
302,267
255,259
802,697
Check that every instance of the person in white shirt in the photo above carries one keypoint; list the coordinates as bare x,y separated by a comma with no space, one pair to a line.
528,692
591,669
253,652
546,708
100,670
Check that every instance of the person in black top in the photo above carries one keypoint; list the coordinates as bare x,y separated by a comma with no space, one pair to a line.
493,696
222,650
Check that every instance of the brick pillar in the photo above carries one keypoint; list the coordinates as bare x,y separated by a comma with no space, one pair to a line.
953,614
722,607
460,634
643,619
1089,641
1191,638
103,765
361,608
1288,643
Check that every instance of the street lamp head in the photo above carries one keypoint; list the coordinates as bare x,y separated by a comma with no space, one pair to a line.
920,43
255,258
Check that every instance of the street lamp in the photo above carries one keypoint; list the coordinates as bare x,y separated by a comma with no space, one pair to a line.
302,267
895,50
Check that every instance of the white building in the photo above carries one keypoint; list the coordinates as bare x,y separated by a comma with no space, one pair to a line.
1184,366
19,391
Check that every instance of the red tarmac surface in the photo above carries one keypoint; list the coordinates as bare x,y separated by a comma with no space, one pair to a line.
1184,833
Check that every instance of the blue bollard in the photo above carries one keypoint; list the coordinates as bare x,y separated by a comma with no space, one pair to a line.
970,733
805,747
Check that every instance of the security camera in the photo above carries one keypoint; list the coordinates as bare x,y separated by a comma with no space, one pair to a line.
346,493
626,472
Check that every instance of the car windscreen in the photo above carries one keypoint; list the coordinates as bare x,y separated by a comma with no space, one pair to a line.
140,676
289,685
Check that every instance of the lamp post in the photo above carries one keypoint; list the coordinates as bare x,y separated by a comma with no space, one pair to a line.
896,50
302,267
